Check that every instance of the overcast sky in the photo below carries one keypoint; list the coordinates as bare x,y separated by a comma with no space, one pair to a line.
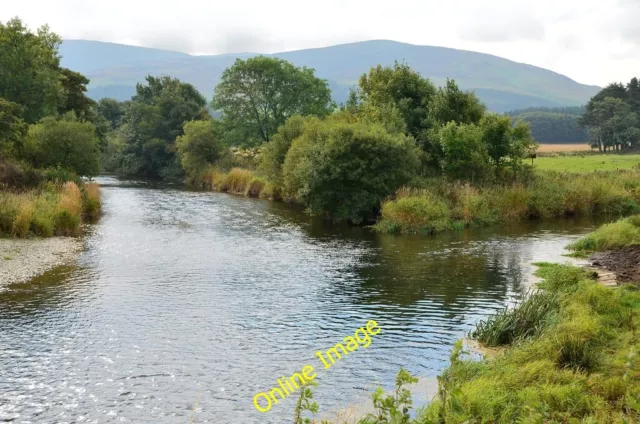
591,41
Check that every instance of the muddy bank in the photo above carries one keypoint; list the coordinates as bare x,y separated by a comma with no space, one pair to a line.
624,263
23,259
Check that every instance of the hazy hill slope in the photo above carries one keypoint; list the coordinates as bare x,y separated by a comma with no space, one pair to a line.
502,84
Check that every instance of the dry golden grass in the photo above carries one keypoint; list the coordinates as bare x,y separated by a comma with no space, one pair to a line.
70,199
547,148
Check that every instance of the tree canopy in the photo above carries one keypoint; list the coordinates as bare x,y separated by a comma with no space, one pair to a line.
257,95
612,117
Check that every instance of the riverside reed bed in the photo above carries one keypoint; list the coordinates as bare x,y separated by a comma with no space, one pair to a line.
442,205
54,209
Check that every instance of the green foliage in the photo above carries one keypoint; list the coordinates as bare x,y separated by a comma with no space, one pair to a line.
152,122
445,206
452,104
12,128
548,127
66,143
345,170
574,368
464,155
304,404
29,69
393,408
610,236
401,87
257,95
274,152
613,117
112,111
200,147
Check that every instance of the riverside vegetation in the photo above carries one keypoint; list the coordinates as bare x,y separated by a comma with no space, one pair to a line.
569,354
50,135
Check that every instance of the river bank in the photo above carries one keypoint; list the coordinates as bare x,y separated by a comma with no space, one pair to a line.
23,259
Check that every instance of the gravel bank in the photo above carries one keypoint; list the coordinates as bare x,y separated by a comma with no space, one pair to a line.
22,259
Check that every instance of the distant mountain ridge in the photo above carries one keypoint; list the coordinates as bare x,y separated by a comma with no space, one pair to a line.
114,70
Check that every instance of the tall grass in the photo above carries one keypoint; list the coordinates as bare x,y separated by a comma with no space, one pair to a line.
616,235
443,205
53,209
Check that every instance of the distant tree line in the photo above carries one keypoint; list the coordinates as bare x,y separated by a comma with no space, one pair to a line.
553,125
612,117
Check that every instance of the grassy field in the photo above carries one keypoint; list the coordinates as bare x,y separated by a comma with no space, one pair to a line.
549,148
589,163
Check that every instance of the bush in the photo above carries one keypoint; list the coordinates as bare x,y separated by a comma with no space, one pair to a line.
66,143
417,213
199,147
345,170
92,204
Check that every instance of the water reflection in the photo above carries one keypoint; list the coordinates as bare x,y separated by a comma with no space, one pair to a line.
185,295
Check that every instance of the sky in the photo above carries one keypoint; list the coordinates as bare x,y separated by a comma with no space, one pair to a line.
591,41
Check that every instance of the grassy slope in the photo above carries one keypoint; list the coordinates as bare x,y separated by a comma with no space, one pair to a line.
501,83
588,163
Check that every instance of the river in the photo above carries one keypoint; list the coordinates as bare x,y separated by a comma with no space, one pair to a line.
185,304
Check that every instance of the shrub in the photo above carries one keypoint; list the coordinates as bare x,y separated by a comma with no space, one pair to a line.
415,214
199,147
345,170
271,192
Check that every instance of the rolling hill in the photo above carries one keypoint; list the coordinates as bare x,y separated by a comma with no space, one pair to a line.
503,85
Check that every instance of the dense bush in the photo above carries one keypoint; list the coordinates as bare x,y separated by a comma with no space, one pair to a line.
66,143
199,147
345,170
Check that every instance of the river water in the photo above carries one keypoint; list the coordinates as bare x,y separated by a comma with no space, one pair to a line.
186,304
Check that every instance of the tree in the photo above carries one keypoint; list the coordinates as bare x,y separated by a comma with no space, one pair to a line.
199,147
152,122
452,104
111,110
403,87
613,124
257,95
465,156
67,143
504,141
74,99
12,129
345,170
29,69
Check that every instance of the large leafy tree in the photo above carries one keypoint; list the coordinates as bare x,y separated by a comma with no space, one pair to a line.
404,88
29,69
257,95
152,121
74,86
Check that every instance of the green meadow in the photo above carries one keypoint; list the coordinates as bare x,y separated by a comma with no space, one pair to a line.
587,163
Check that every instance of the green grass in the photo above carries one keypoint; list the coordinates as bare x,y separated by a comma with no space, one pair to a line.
581,366
616,235
443,205
587,163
